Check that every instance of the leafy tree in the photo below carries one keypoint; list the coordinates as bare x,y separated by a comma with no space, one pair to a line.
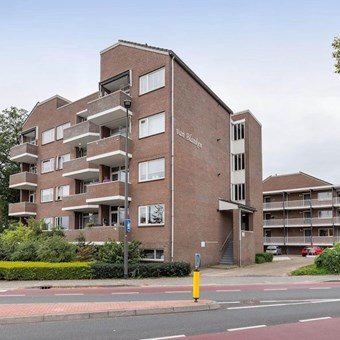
336,53
11,121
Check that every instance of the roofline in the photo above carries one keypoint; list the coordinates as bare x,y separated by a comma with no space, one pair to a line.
298,173
301,189
175,57
248,112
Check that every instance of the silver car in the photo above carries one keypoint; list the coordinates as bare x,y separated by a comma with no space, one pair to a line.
275,250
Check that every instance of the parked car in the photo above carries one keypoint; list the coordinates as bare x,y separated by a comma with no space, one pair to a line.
275,250
311,250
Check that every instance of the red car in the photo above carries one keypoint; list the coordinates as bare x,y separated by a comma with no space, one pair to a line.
311,250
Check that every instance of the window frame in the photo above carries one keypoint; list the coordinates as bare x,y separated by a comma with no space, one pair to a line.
238,131
147,171
59,192
147,86
238,162
61,218
60,130
60,161
147,121
51,161
148,212
50,140
51,195
238,192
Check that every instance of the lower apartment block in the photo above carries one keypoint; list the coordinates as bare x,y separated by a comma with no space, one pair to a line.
300,210
192,167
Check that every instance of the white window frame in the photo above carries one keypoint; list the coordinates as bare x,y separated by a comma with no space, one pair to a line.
62,191
238,162
325,196
48,193
61,159
63,222
144,170
146,124
238,131
154,258
61,128
152,81
49,223
45,168
325,214
238,192
48,136
144,211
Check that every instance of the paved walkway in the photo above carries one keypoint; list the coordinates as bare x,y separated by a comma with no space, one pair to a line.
276,272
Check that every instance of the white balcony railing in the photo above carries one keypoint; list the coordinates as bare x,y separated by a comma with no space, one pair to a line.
302,240
301,204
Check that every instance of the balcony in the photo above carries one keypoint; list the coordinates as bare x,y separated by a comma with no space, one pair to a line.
22,209
24,153
301,204
301,240
108,151
300,222
78,203
81,134
23,181
80,168
108,110
109,193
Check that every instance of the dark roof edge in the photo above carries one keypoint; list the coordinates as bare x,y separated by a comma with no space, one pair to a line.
199,80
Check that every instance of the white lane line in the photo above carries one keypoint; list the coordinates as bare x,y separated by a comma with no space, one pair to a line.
243,328
227,290
316,319
274,289
315,288
124,293
177,291
12,295
70,294
3,290
167,337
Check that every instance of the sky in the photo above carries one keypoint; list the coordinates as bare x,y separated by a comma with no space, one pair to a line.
271,57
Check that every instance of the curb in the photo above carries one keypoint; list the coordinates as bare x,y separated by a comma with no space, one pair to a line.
208,305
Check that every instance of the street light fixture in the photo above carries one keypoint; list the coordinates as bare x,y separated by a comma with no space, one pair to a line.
127,105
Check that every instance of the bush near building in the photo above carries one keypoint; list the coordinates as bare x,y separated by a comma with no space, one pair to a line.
329,259
263,257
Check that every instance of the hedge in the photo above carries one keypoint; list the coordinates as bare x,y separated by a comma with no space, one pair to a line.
263,257
89,270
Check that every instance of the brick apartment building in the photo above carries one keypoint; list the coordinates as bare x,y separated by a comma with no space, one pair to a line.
194,167
300,210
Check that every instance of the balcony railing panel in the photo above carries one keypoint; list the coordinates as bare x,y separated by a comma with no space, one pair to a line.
108,151
81,134
78,203
22,209
23,181
301,240
24,153
108,193
80,168
108,110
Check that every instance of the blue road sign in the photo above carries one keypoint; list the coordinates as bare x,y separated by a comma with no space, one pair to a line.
128,225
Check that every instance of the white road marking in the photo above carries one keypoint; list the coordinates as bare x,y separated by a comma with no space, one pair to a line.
274,289
177,291
316,319
13,295
167,337
68,294
124,293
315,288
244,328
227,290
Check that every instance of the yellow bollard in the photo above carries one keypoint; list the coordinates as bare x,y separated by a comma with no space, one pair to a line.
196,285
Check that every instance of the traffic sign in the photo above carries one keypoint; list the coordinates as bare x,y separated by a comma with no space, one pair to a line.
128,225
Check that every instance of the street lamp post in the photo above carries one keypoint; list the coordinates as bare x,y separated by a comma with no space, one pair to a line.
127,105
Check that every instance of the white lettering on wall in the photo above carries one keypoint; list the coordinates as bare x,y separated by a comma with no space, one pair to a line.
188,136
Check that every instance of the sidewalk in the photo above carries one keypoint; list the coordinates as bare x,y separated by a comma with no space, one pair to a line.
275,272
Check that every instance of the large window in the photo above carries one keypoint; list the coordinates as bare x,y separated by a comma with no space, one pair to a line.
325,196
48,223
47,136
117,216
60,130
62,191
88,220
61,159
238,162
152,125
238,131
152,81
62,222
46,195
153,255
238,192
118,174
151,170
325,214
151,214
47,165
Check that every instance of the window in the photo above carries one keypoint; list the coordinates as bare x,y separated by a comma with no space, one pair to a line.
47,136
152,81
152,125
325,214
62,222
61,159
238,192
153,255
238,131
118,174
60,130
151,214
83,185
47,166
88,219
48,223
238,162
325,196
31,196
32,168
151,170
62,191
46,195
117,216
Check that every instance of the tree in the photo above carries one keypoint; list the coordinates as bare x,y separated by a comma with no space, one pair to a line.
11,122
336,53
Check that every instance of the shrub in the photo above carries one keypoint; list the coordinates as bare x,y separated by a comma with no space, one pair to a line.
25,251
329,259
113,252
263,257
56,249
